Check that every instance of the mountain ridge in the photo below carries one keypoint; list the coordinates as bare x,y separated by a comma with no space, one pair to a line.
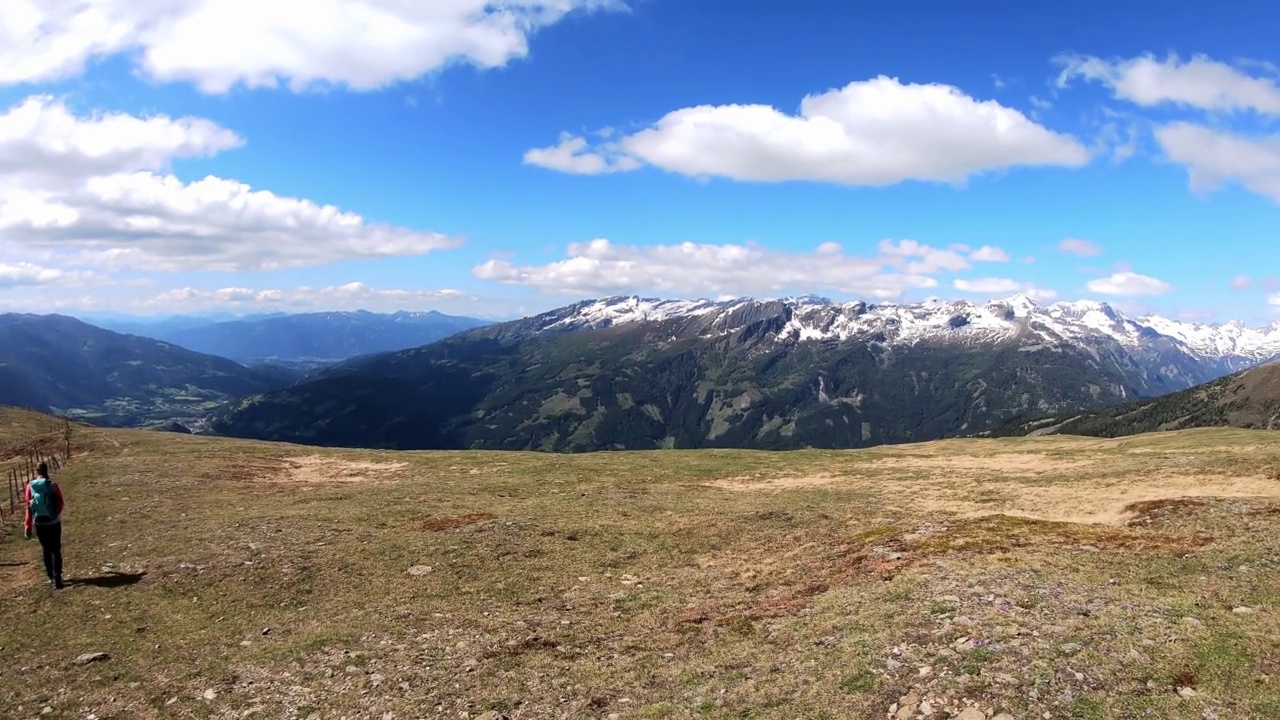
1248,399
627,372
1233,339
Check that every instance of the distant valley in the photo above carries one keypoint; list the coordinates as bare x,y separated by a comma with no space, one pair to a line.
630,373
62,365
1247,399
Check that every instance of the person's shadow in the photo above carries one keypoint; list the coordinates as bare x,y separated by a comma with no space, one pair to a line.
110,580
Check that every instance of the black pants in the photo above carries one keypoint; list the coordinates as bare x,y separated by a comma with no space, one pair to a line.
50,537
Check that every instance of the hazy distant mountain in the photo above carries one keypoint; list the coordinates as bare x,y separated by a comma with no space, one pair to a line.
313,338
59,364
153,326
634,373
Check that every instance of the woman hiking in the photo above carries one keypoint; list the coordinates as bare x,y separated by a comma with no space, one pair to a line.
44,515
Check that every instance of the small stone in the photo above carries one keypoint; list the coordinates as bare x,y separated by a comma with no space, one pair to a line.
46,710
245,643
210,694
1193,621
1003,716
491,715
926,708
1186,692
925,671
1070,648
1242,610
170,701
953,599
376,679
352,670
971,714
94,657
420,570
266,631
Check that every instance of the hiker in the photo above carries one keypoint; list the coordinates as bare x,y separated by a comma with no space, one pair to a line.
44,515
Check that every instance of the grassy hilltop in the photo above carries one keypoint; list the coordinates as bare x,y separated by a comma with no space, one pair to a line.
1083,578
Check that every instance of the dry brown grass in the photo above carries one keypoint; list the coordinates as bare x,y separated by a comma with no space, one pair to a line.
453,522
635,584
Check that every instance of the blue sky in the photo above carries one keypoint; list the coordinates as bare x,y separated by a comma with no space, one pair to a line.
503,158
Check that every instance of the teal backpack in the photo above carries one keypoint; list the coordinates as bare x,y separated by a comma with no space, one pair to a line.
44,507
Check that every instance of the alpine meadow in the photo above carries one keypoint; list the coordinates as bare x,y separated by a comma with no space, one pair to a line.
639,359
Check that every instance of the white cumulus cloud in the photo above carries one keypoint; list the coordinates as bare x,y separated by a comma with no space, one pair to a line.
24,274
96,189
601,267
573,155
1199,82
1081,248
42,137
1003,287
1241,282
988,253
876,132
916,257
1215,157
218,44
350,296
995,286
1129,284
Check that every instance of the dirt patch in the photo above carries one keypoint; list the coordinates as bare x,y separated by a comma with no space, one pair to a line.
18,575
1003,534
1004,464
750,484
453,522
971,487
951,467
323,469
1119,501
1150,511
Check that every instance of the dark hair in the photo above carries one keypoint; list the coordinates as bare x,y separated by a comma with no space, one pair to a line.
42,470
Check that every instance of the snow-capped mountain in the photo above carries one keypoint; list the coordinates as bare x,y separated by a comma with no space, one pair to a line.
631,373
1209,351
